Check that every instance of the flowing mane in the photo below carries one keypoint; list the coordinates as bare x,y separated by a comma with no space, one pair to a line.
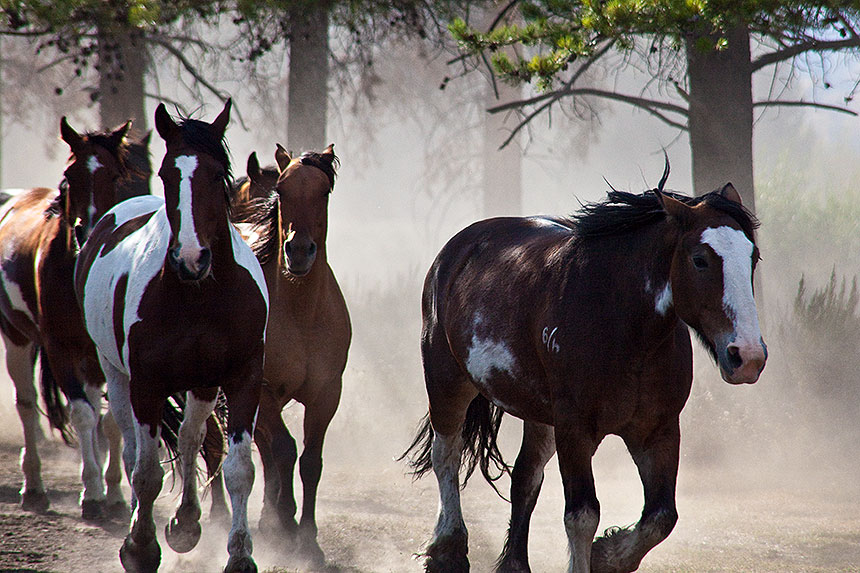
623,212
315,159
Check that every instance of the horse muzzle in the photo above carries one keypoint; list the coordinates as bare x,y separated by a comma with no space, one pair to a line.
299,258
741,363
190,269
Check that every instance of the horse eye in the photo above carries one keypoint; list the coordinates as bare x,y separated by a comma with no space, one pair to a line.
700,262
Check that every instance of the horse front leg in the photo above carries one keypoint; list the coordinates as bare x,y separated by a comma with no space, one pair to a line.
20,360
140,551
183,531
656,456
86,403
317,419
279,454
243,400
537,448
581,508
214,450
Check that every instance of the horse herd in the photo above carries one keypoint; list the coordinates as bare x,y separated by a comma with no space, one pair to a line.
578,326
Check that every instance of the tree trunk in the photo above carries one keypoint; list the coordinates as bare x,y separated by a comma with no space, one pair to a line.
308,79
502,183
721,114
122,64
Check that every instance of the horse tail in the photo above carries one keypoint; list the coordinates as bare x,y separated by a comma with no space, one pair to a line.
171,419
480,444
55,410
212,449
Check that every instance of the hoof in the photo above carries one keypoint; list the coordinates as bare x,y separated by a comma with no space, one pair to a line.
119,511
448,554
92,510
136,559
182,536
513,566
310,551
241,565
35,501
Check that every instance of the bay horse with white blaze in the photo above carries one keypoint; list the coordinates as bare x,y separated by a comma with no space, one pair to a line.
175,301
580,328
40,230
308,335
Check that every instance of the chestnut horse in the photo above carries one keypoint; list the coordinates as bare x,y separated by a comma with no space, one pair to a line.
258,186
175,301
580,328
308,335
39,234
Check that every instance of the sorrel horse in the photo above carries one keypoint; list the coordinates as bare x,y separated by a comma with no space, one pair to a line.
258,186
175,301
39,234
308,335
580,328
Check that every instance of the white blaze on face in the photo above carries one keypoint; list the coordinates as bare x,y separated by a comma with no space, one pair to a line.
733,246
486,355
189,246
93,164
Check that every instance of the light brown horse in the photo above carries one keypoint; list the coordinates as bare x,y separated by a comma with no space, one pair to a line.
308,335
581,328
40,230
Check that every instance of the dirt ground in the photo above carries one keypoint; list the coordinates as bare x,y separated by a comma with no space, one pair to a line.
375,518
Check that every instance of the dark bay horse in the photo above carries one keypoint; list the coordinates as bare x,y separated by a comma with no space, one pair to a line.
39,234
257,184
175,301
580,328
137,183
308,335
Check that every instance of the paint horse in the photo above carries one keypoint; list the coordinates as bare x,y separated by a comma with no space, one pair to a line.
308,335
175,301
580,328
40,230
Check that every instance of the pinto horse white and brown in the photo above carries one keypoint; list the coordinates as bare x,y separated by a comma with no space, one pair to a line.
580,328
175,301
39,234
308,335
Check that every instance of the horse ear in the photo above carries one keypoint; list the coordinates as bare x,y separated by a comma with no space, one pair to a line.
220,123
328,154
118,135
164,124
144,141
729,192
69,135
673,207
253,168
282,157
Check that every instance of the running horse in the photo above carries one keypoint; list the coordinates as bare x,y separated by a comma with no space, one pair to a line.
308,336
580,328
40,230
175,301
259,182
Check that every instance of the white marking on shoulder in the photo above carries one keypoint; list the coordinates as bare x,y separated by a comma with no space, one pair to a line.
663,300
244,257
733,246
93,164
486,355
187,164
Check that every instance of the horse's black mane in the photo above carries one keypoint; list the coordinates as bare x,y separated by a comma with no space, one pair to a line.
262,214
198,135
623,212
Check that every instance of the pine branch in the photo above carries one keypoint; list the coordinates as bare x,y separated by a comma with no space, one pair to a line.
784,103
803,47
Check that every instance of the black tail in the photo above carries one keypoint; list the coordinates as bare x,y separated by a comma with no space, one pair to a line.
480,444
174,412
55,410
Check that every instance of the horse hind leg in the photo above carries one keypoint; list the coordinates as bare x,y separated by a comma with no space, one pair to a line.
621,550
537,448
115,500
84,415
20,360
183,531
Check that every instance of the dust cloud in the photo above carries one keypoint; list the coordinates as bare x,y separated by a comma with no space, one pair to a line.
767,480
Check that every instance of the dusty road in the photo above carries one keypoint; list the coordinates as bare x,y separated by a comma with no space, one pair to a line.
375,518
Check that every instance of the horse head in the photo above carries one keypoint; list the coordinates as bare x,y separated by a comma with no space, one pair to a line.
195,173
303,188
96,165
711,280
